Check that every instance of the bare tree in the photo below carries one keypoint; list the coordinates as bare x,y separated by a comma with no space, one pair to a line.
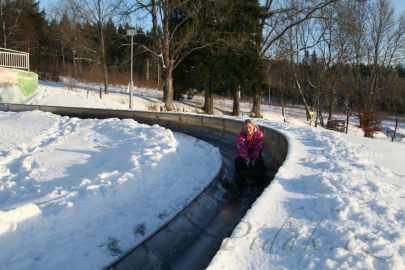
281,79
96,13
181,24
303,36
277,19
334,48
72,39
356,16
394,96
386,38
354,24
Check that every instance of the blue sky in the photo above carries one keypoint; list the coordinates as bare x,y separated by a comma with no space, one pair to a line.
399,5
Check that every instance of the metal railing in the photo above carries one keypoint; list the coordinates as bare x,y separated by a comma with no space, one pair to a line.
14,59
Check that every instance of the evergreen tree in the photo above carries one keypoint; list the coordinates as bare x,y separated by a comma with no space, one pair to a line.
24,27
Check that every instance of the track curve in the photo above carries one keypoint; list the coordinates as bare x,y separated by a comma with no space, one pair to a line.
193,236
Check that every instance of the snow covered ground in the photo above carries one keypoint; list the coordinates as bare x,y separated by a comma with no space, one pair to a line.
74,94
338,201
75,194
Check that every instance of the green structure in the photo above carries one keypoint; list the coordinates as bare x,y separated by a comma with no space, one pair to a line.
16,85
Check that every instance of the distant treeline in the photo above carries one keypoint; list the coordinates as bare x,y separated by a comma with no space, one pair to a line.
329,56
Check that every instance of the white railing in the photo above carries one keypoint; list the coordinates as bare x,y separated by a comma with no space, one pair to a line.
14,59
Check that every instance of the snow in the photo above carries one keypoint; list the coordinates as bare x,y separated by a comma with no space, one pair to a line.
77,193
337,202
10,93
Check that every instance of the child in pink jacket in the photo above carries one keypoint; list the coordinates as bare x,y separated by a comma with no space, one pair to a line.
250,146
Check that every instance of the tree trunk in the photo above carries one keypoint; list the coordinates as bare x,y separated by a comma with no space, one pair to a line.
347,118
168,88
3,26
164,88
155,31
373,86
282,103
316,118
147,69
208,100
63,60
331,103
236,101
74,63
257,98
105,70
168,91
316,105
102,44
302,96
319,110
395,130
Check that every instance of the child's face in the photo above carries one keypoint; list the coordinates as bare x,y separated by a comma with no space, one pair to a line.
249,128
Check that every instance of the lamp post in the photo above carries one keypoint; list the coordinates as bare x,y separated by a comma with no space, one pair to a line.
132,33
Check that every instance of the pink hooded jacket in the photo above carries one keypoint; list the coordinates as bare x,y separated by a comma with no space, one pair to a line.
250,147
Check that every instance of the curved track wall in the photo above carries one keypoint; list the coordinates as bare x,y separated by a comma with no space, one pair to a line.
276,145
199,228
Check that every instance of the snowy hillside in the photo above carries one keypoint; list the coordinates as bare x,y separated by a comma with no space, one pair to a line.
75,94
338,201
75,194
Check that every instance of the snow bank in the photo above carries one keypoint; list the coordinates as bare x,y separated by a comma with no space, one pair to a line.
338,202
10,93
78,193
9,220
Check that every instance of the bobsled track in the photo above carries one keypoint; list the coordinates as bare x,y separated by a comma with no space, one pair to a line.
191,238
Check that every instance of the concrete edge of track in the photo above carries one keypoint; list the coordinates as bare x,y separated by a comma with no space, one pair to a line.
169,242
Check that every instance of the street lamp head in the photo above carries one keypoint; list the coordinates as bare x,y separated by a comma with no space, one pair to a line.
131,32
